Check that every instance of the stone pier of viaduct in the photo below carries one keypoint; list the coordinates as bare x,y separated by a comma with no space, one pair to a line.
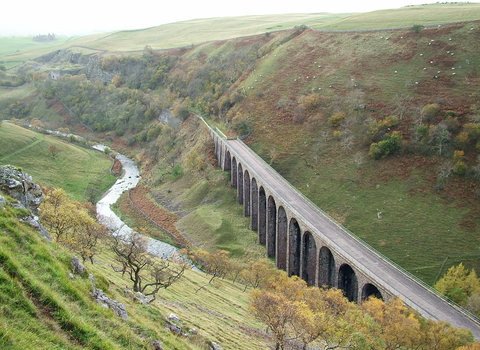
306,242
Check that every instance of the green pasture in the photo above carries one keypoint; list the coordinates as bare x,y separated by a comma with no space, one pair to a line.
406,17
10,47
82,172
198,31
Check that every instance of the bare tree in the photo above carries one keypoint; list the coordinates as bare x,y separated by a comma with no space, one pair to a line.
347,142
147,273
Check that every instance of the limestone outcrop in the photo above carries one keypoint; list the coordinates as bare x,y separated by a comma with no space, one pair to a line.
20,186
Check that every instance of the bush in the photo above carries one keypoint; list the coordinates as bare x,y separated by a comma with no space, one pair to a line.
309,102
450,114
242,128
430,111
473,131
462,140
389,144
422,131
417,28
336,119
460,168
377,128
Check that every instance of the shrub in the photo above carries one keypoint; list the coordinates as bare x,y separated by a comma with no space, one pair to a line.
379,127
417,28
473,131
389,144
430,111
462,140
460,168
153,133
422,131
336,119
450,114
452,124
458,156
176,171
309,102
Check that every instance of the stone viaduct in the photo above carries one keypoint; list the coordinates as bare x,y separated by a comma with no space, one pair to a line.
306,242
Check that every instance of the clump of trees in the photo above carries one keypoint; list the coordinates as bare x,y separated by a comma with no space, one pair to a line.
44,37
216,263
71,223
389,144
295,312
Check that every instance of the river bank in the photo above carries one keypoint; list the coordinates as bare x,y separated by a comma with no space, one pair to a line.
130,178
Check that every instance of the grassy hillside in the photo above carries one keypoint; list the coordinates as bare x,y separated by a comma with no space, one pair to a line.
81,171
198,31
42,308
170,35
406,17
10,46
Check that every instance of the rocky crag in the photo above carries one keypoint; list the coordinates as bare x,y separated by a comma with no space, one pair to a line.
26,193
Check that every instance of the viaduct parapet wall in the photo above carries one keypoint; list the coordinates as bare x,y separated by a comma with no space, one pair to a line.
306,242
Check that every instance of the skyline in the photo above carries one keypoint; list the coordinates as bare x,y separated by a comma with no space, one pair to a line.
30,18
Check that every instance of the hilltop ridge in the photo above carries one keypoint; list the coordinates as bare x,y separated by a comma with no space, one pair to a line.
197,31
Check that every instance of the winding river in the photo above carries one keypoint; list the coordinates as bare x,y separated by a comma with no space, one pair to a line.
130,179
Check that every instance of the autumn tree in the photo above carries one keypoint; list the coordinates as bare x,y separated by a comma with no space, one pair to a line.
86,236
216,264
71,223
235,269
459,284
430,111
472,346
293,311
36,123
276,307
147,273
257,273
333,320
58,213
53,150
398,326
440,335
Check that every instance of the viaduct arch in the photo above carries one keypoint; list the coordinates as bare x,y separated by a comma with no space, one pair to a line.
308,243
